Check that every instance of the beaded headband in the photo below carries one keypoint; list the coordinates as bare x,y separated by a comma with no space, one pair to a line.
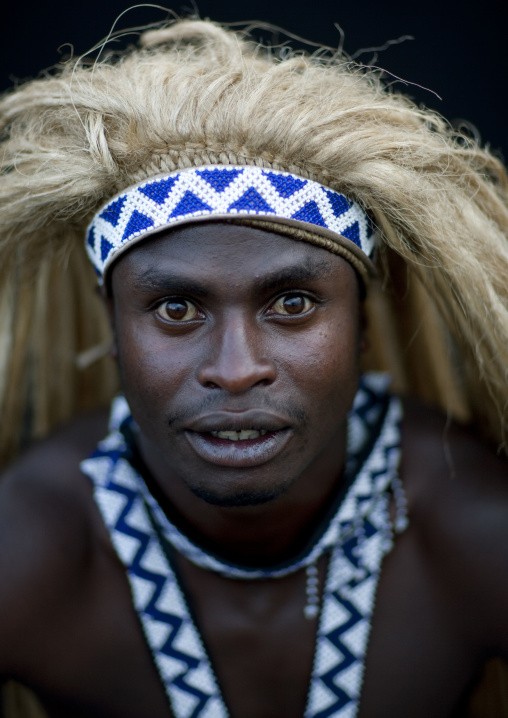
283,202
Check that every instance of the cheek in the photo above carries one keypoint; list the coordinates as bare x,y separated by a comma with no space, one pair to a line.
324,364
151,368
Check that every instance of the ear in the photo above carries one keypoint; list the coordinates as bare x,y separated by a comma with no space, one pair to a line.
109,303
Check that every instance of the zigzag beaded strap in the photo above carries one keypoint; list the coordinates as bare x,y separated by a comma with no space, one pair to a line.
289,204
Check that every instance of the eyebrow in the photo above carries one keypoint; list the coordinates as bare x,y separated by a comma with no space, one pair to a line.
312,270
154,279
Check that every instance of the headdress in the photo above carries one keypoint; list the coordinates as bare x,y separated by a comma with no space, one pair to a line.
194,96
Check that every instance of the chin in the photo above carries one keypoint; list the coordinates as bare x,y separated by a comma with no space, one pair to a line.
240,497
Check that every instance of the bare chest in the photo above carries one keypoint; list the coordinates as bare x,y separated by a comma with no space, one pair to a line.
259,642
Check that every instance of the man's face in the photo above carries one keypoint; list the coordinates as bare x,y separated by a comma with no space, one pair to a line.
238,352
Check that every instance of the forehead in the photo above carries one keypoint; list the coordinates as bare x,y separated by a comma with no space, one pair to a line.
217,251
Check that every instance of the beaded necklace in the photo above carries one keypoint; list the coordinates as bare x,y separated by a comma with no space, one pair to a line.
356,535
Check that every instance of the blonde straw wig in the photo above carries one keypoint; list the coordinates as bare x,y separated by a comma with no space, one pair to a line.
195,94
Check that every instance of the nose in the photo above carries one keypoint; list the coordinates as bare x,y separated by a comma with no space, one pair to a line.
236,361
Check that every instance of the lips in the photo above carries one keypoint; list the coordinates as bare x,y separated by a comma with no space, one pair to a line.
238,439
250,419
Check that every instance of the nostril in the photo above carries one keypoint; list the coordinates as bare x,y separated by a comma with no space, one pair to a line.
264,382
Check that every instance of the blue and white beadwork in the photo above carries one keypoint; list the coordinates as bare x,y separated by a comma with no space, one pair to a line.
357,537
223,192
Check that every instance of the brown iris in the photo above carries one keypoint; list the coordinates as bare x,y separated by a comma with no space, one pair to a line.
292,304
177,310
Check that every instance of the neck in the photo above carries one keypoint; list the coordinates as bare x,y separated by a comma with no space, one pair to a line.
261,535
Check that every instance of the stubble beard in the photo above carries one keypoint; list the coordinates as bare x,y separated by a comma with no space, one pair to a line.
242,497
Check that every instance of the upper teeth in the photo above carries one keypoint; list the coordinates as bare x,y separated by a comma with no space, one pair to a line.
239,435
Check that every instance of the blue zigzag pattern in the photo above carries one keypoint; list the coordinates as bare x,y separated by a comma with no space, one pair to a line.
157,580
348,659
201,193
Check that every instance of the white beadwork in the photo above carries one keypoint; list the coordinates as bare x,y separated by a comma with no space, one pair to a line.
311,609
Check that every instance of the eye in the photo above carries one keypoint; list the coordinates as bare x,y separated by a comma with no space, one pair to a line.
292,305
177,310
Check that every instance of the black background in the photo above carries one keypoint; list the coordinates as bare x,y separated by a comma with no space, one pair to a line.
459,52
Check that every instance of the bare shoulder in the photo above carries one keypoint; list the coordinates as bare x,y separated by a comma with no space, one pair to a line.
457,489
445,462
47,479
48,527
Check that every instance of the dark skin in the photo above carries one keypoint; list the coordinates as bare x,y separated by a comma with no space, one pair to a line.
217,321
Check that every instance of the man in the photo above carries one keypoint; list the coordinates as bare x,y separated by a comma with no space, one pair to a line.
262,533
